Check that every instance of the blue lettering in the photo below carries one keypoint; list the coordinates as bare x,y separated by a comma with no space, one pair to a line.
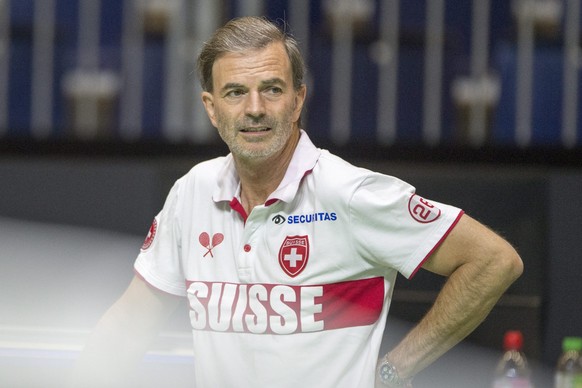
312,217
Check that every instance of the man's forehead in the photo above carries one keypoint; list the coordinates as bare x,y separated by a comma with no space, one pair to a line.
266,63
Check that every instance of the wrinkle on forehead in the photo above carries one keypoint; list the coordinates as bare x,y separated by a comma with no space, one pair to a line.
269,63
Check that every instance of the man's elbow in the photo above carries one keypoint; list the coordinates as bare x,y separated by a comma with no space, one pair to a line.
509,264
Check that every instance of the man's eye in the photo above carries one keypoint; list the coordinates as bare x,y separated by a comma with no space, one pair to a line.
235,93
275,90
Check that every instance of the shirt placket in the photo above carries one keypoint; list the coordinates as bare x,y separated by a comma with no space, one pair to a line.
249,251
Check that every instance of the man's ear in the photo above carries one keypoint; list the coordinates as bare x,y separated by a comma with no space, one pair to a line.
299,100
208,101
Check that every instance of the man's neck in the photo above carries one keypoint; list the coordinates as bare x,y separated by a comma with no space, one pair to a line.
259,179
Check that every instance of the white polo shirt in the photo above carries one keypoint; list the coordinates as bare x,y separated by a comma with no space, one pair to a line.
297,292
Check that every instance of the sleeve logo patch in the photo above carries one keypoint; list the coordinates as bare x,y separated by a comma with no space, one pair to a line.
422,210
149,240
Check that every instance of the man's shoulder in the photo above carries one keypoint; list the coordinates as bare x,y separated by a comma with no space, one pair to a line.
208,167
204,171
339,172
335,167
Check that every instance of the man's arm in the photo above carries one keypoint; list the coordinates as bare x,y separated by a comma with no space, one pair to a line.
123,335
480,267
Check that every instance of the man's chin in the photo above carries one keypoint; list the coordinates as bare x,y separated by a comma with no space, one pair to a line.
252,154
256,158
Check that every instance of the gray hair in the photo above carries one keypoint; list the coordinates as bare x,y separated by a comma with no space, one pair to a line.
246,33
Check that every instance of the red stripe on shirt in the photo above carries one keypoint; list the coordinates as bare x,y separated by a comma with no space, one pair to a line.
284,309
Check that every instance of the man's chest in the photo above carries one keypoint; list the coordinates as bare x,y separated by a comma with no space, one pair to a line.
275,244
282,271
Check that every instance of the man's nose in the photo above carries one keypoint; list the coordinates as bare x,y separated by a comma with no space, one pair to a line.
255,105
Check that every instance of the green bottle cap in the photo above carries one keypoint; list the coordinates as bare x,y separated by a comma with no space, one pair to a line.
572,343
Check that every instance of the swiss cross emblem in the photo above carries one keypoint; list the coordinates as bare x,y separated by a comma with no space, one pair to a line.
293,254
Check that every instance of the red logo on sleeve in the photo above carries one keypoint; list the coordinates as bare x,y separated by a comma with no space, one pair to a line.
422,210
151,235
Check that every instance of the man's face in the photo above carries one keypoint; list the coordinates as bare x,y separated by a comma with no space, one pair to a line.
253,104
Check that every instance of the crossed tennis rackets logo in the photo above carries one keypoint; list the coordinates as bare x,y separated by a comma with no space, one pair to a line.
204,239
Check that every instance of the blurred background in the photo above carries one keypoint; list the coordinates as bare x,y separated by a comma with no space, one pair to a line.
476,103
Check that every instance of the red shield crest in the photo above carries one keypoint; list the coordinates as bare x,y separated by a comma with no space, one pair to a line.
293,254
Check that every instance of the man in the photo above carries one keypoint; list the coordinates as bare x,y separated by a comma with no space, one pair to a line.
288,254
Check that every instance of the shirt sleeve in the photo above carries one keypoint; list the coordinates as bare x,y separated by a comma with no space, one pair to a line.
394,226
158,262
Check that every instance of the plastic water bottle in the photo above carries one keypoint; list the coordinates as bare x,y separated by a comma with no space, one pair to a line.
512,370
569,368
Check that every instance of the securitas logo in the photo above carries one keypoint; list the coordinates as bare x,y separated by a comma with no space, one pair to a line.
304,218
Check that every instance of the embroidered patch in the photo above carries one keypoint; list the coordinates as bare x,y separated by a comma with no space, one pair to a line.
149,240
422,210
294,254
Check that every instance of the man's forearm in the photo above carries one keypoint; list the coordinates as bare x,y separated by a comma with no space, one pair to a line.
466,299
123,335
111,353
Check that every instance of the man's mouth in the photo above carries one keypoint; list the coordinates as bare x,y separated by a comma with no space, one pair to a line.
255,129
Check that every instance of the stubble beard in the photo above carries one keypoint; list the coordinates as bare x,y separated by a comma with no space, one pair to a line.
280,132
